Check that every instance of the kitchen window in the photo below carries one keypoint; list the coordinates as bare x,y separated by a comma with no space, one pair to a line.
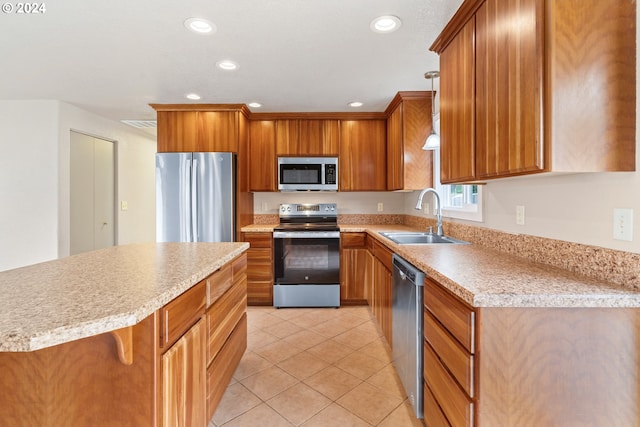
458,201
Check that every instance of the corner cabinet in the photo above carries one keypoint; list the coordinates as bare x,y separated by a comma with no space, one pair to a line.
521,92
409,167
363,155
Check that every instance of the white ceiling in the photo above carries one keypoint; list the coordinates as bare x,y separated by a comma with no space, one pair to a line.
114,57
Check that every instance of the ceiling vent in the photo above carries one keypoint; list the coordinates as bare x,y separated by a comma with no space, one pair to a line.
141,124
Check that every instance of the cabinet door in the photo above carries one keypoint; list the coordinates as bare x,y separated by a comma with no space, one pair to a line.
355,268
363,164
262,156
319,137
177,131
457,108
217,131
509,42
259,268
184,386
307,138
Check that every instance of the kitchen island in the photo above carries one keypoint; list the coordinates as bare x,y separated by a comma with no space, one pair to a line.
108,337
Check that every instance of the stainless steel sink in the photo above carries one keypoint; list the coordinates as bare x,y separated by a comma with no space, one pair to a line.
418,238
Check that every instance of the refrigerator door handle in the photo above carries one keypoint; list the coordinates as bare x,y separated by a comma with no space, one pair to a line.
194,201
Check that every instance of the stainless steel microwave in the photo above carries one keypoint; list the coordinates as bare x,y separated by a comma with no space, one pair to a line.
308,173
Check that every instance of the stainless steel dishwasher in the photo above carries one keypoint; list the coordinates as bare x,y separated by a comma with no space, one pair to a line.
407,317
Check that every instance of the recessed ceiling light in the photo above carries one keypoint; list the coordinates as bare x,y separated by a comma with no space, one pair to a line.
227,65
385,24
356,104
255,105
200,26
193,96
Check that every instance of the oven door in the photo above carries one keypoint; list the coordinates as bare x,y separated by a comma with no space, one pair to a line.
307,257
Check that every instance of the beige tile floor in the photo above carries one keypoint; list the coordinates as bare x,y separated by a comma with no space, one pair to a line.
313,368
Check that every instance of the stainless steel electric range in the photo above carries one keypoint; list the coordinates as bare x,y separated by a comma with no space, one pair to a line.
307,256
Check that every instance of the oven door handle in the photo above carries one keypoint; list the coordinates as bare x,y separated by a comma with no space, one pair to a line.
306,234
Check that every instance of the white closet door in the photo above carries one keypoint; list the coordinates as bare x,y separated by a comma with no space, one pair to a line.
92,193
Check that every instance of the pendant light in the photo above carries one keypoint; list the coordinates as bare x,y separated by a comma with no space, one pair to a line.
433,140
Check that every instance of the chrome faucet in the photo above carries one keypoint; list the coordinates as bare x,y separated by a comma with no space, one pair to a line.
438,208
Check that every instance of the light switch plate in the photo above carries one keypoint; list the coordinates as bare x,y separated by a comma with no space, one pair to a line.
380,207
623,224
520,215
124,205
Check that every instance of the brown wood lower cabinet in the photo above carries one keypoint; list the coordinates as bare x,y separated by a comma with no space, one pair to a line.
355,269
556,367
259,268
382,288
172,371
184,384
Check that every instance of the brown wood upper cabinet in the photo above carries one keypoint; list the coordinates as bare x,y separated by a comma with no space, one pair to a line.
363,163
263,172
183,128
523,93
307,137
409,167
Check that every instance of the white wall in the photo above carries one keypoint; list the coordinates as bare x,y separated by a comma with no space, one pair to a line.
135,174
34,179
28,182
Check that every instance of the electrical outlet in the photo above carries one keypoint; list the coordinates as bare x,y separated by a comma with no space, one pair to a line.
380,207
124,205
265,207
520,215
426,207
623,224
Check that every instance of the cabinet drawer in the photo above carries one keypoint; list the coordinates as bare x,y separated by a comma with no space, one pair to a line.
218,283
455,357
454,402
260,264
353,240
433,416
457,318
221,370
381,252
239,267
182,313
223,316
259,240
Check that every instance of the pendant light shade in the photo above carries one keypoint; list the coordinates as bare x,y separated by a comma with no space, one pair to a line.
433,140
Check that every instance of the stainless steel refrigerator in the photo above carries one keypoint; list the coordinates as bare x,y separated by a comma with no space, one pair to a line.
195,197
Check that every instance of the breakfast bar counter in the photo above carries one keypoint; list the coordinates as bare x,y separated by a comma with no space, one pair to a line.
100,291
141,335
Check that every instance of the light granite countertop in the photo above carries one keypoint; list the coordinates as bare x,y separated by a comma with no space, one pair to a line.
485,277
58,301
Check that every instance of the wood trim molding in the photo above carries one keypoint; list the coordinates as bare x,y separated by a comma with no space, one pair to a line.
199,107
457,22
318,116
124,344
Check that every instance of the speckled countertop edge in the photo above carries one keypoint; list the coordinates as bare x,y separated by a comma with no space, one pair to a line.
485,277
101,291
